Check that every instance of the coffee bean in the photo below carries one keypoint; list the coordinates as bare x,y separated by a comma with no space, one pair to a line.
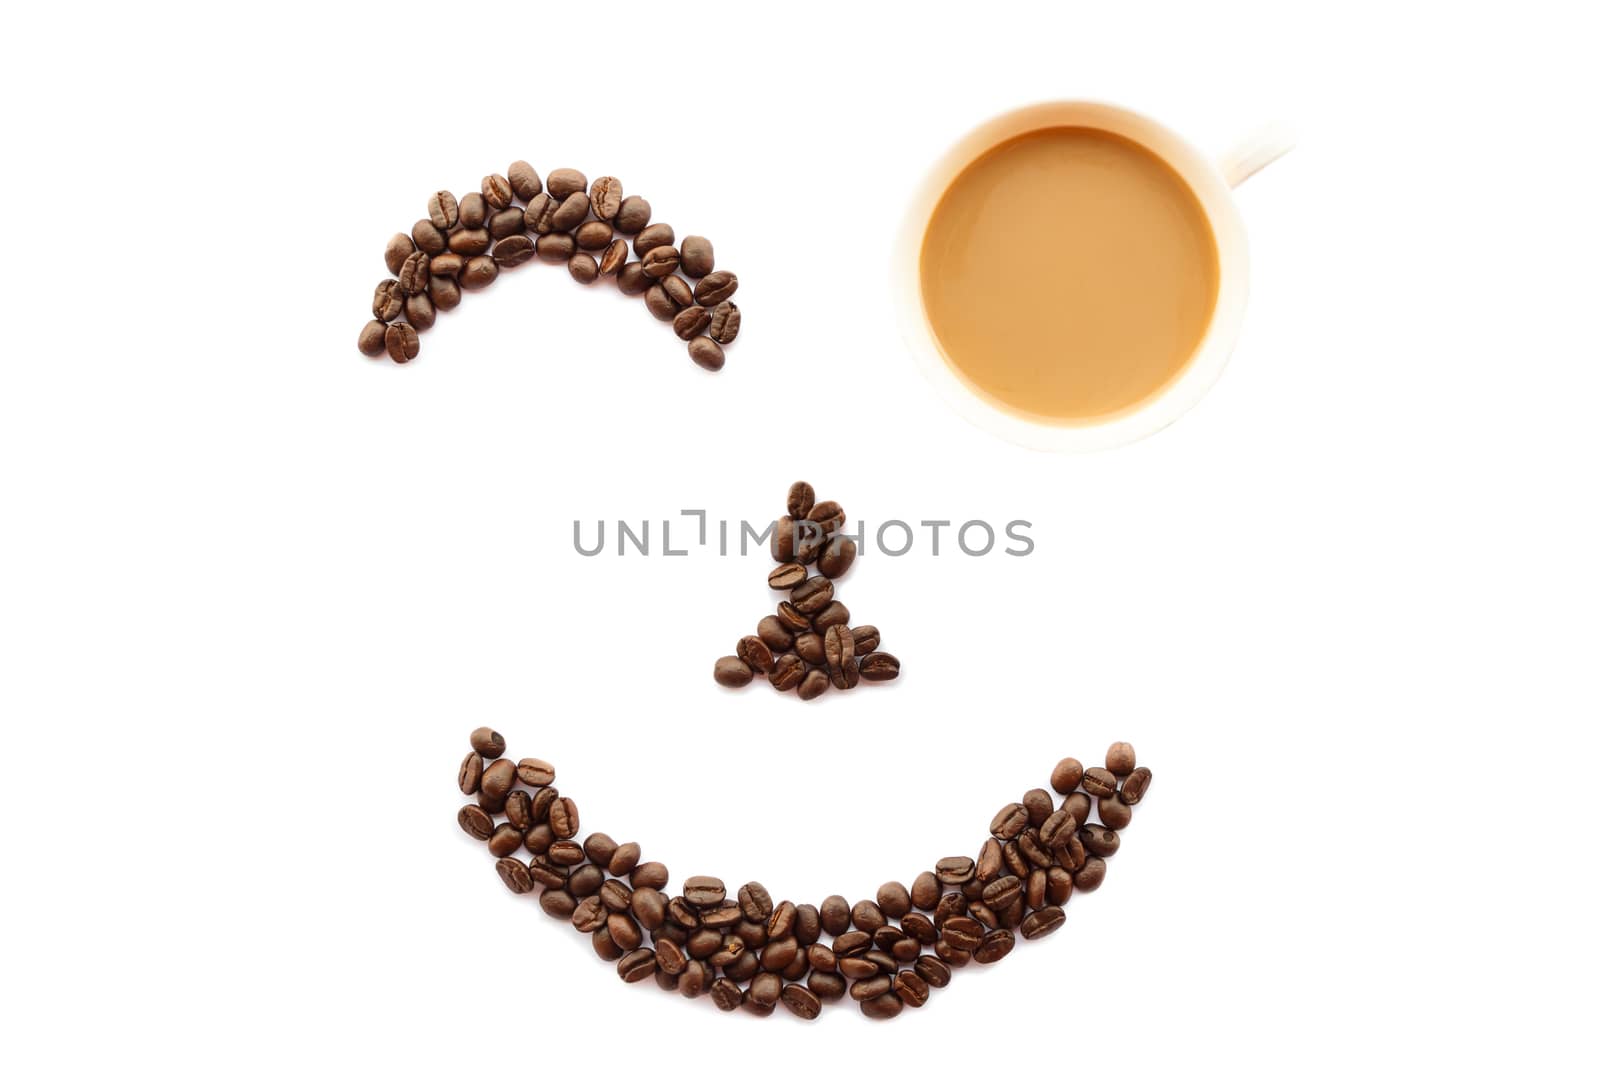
564,181
962,932
419,311
474,211
1078,805
1066,776
744,968
997,944
632,279
835,914
444,292
524,180
478,272
698,259
492,805
706,353
868,988
395,252
571,212
540,215
801,1001
1039,805
801,499
1137,784
725,321
1009,821
1036,889
625,864
587,879
594,235
513,251
1088,877
443,211
496,191
371,340
504,840
691,321
660,262
683,913
694,981
514,873
726,994
866,915
624,931
703,891
894,899
850,942
838,647
677,290
1120,760
470,242
721,916
774,634
1099,782
953,870
590,916
659,304
599,848
833,614
884,1007
1101,841
554,247
880,667
445,266
475,821
637,965
536,772
786,576
543,797
505,222
779,954
1034,852
808,646
564,817
1001,892
633,214
388,300
519,810
755,902
615,255
732,672
716,287
827,514
615,895
488,743
1073,855
1057,828
428,237
783,539
814,684
837,557
951,955
1115,813
755,654
657,235
583,268
812,595
912,988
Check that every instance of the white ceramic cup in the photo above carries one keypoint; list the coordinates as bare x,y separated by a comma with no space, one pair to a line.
1212,181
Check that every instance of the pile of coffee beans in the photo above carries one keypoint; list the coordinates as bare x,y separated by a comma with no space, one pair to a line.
808,645
747,949
515,217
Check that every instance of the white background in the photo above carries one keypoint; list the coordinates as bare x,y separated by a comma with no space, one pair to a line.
257,589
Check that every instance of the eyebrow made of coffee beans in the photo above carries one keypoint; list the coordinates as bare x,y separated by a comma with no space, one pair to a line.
807,646
463,244
745,948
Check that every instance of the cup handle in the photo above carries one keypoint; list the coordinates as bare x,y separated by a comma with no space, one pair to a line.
1254,152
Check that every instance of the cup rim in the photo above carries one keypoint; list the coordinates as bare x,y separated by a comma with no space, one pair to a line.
1211,355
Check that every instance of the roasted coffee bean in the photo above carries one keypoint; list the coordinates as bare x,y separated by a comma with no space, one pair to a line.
615,255
721,916
650,875
1042,923
801,499
694,981
884,1007
850,942
587,879
703,891
1099,840
616,896
838,647
428,237
835,913
632,279
726,994
765,989
564,817
488,743
548,874
514,873
912,988
445,266
589,916
801,1002
812,595
1115,813
648,906
732,672
558,903
808,646
821,958
925,891
498,778
670,958
658,235
524,181
388,300
513,251
540,215
701,942
543,796
564,853
807,924
475,821
599,848
1010,821
932,970
395,252
834,614
786,576
951,955
781,922
583,268
989,861
519,810
538,838
371,340
570,212
505,222
1088,877
997,944
593,235
837,557
606,196
725,322
554,247
624,931
880,667
827,987
633,214
856,968
564,182
716,287
755,654
659,304
536,772
443,211
1001,892
1057,885
787,672
698,259
744,968
637,965
1057,828
496,191
962,932
814,684
774,634
419,311
676,290
779,954
827,514
1065,778
660,262
920,928
783,541
690,322
953,870
1099,782
868,988
1039,804
1073,855
866,915
1120,759
847,676
492,805
1034,852
474,211
478,272
732,948
1138,783
470,242
444,292
1078,804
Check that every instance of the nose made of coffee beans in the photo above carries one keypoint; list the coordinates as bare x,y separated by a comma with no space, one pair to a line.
747,949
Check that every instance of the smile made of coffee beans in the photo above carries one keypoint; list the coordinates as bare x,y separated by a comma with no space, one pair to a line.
464,244
750,950
808,645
